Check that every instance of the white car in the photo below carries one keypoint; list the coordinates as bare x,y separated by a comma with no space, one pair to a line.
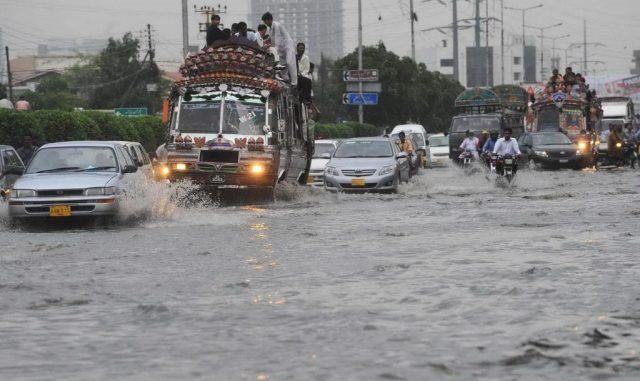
318,163
438,151
72,179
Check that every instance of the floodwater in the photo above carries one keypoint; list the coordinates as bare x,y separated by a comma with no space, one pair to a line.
451,279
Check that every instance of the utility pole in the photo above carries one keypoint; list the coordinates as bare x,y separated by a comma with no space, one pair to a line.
456,70
152,52
486,41
185,27
524,45
9,79
207,12
502,42
477,31
360,107
413,35
584,26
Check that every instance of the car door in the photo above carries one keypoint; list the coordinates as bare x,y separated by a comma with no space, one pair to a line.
525,142
10,159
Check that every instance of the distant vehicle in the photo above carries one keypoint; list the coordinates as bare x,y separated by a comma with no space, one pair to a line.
11,167
437,151
137,152
319,161
366,164
72,179
552,150
421,135
617,108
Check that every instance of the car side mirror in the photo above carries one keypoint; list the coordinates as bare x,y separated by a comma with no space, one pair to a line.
326,156
139,163
426,143
130,169
401,155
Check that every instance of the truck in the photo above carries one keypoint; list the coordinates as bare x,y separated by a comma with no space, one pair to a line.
481,109
233,124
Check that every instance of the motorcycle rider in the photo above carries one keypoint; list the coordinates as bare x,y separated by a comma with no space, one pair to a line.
614,142
487,149
469,144
406,147
507,147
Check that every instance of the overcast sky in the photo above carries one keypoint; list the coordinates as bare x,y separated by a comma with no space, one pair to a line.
613,23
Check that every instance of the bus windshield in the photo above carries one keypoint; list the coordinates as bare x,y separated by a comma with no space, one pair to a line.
548,120
244,116
475,123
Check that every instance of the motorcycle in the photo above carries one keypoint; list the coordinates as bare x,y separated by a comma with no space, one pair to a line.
467,159
504,167
627,156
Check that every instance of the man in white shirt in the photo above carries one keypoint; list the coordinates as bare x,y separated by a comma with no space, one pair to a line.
470,144
304,73
506,146
283,42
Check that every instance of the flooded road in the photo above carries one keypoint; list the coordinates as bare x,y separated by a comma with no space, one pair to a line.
452,278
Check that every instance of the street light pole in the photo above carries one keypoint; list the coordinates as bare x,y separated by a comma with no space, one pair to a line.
413,34
360,107
542,29
524,48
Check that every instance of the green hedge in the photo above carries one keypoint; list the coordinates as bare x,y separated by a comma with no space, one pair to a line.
346,130
48,126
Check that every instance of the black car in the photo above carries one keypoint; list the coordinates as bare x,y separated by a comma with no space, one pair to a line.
551,149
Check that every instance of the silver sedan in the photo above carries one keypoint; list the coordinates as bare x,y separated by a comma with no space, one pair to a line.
71,179
366,164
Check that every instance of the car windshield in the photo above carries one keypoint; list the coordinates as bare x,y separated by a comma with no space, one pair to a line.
475,123
364,148
73,159
548,119
439,141
322,148
200,115
550,139
244,117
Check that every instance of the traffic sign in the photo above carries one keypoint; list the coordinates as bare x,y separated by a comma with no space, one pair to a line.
135,111
366,75
367,87
360,99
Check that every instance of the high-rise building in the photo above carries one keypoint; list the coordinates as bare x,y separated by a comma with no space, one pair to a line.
317,23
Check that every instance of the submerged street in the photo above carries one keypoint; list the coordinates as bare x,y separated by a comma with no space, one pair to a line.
451,278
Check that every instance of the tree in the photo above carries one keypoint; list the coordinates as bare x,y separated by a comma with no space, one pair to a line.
117,77
53,93
3,91
410,93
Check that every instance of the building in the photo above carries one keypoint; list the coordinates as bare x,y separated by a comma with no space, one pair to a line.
517,69
28,71
636,61
319,24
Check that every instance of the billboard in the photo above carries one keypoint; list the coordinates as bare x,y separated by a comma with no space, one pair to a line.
479,66
530,64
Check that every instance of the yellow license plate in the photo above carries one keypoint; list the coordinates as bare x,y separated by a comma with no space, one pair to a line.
357,182
310,179
60,211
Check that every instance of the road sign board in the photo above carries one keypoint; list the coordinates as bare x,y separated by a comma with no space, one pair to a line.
135,111
367,87
360,99
366,75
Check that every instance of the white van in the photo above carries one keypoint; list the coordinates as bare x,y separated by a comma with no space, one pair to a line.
417,129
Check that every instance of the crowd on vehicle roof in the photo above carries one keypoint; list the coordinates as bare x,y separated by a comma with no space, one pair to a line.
572,84
293,64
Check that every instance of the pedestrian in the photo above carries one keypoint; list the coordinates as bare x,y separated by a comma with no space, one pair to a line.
27,149
214,33
304,73
283,43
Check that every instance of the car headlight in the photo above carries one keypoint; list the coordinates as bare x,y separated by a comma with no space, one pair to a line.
333,171
20,193
257,168
387,170
102,191
582,146
541,153
618,145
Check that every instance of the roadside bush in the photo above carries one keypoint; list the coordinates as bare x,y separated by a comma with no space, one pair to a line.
345,130
15,125
49,126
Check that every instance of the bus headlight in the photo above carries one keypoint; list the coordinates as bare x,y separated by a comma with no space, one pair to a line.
257,168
